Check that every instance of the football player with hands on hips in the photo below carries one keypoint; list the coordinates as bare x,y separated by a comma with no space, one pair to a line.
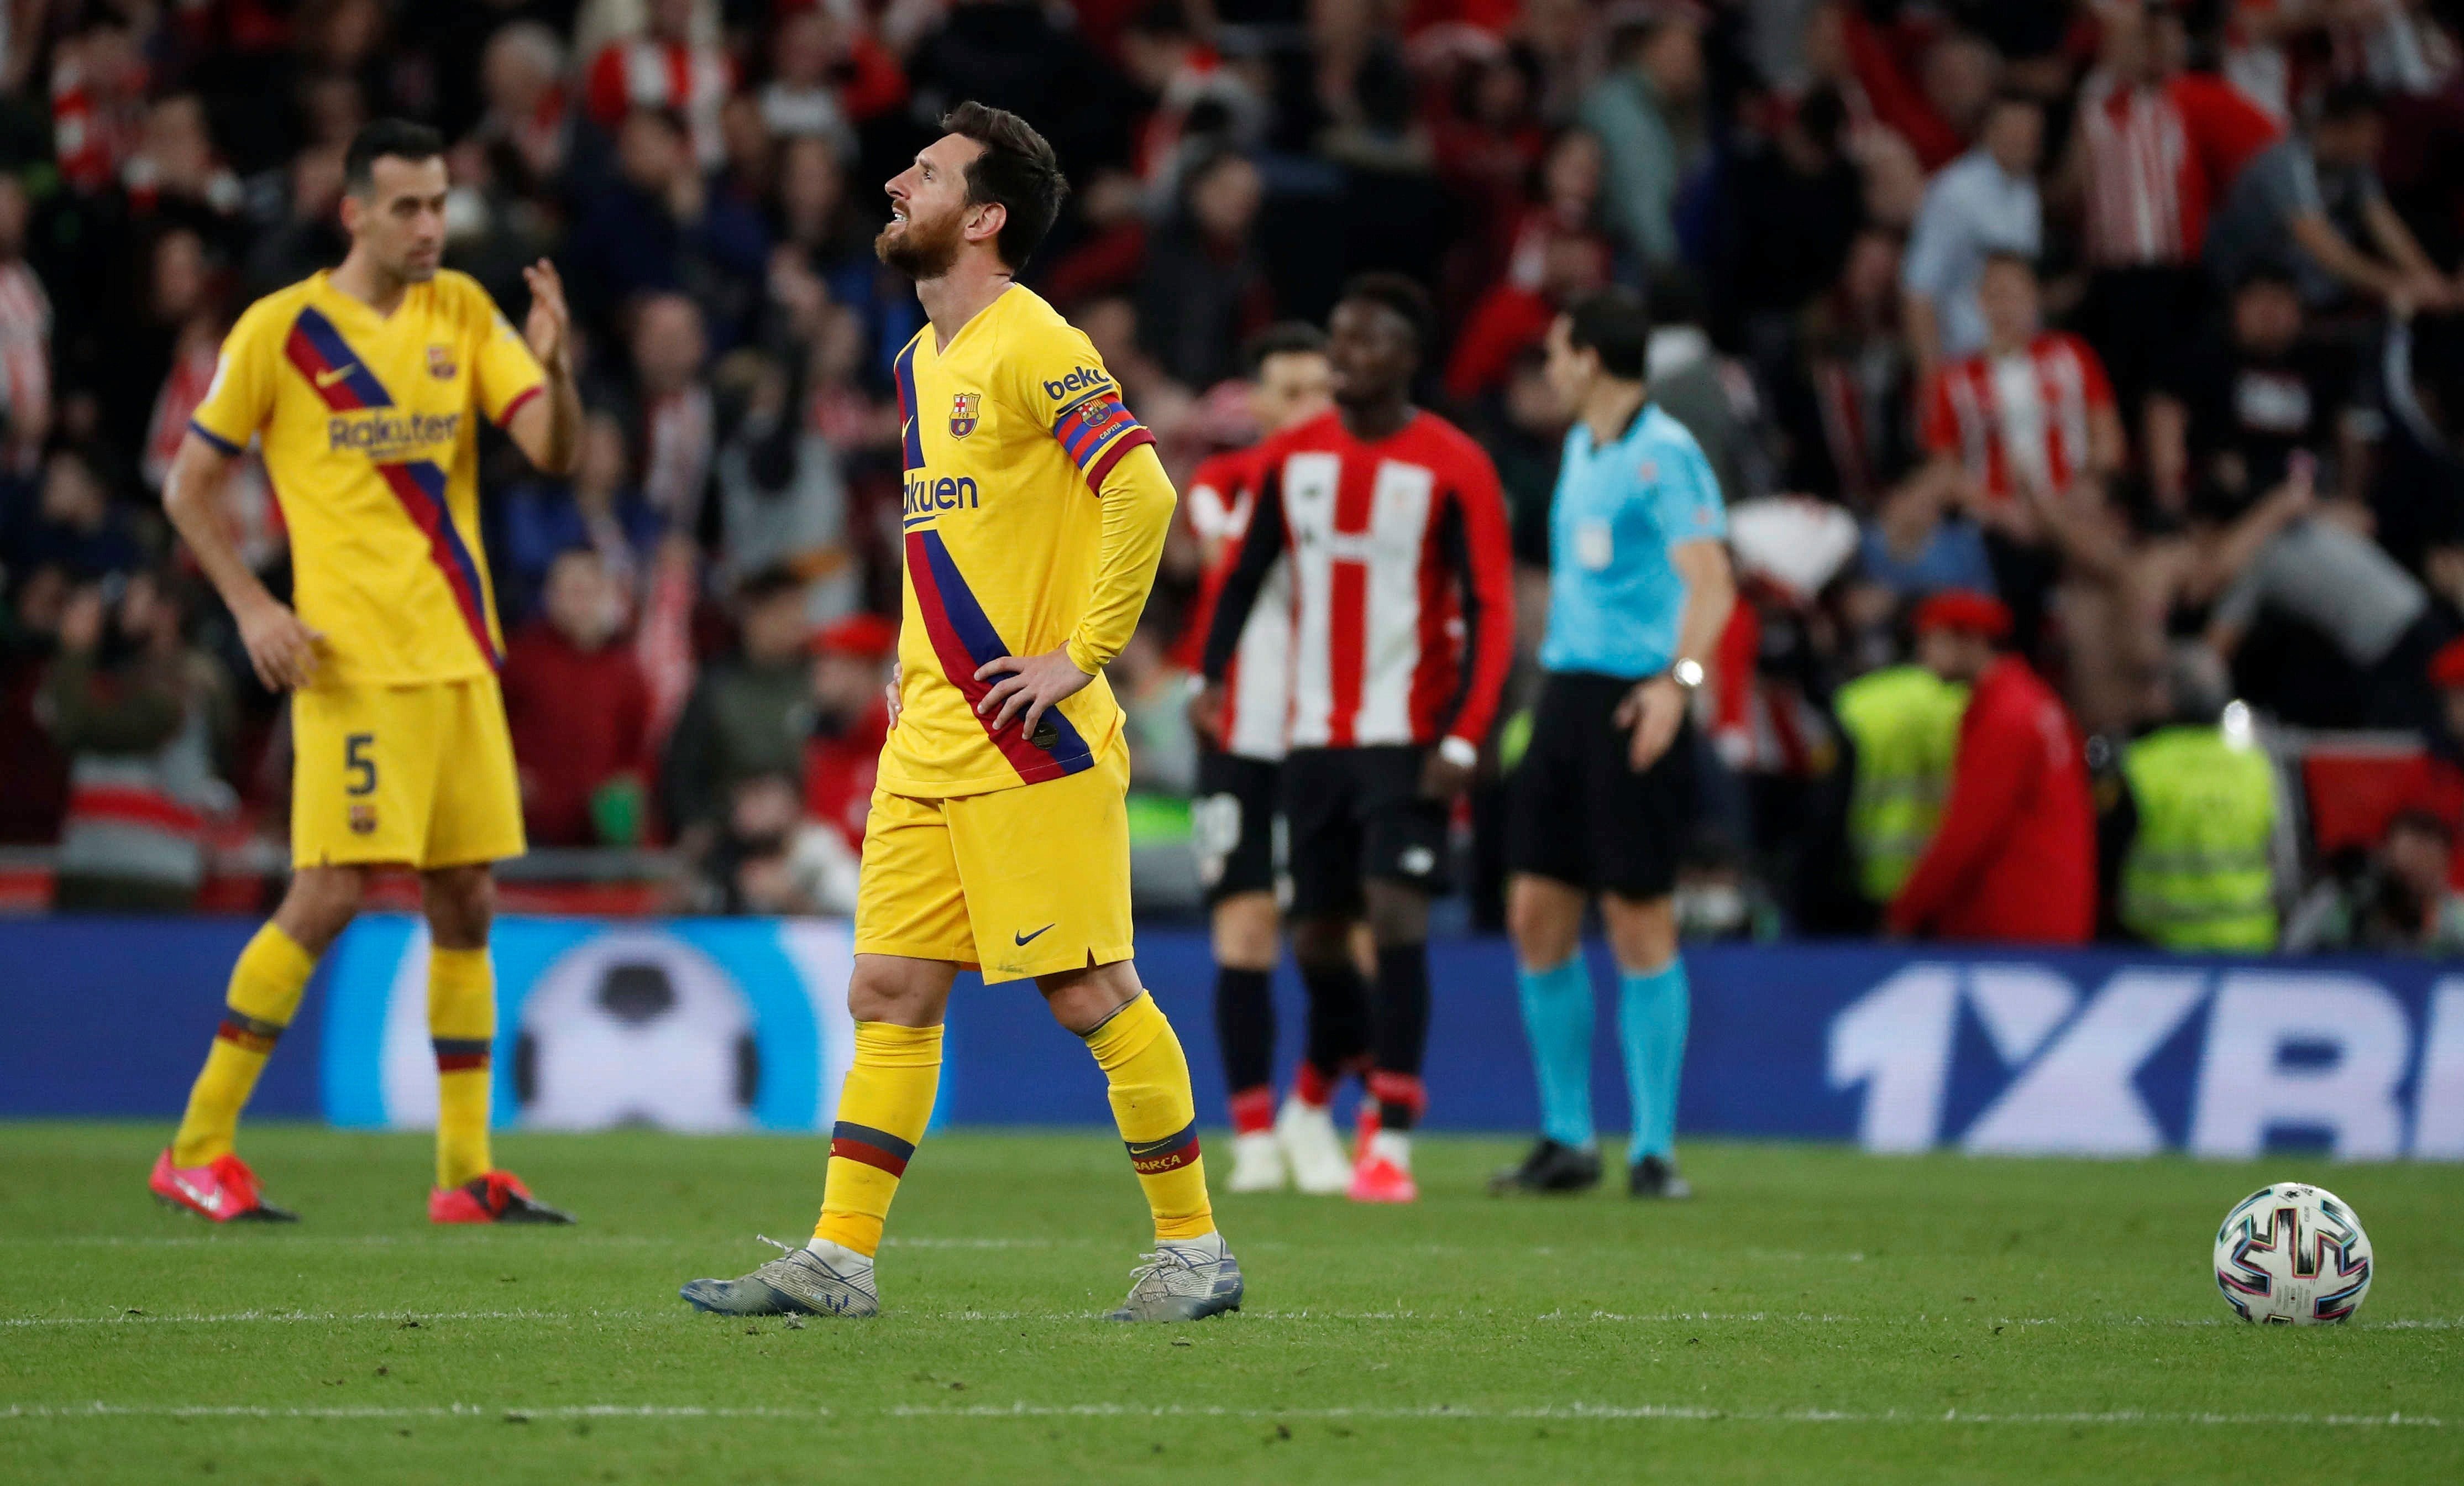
1639,589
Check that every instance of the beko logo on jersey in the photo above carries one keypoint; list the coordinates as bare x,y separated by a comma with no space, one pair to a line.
1083,378
927,497
383,432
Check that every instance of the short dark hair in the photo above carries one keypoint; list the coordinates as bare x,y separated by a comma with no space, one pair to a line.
1284,337
1017,168
1615,324
1400,294
380,137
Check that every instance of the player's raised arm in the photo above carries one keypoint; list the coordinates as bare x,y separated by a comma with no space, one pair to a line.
547,426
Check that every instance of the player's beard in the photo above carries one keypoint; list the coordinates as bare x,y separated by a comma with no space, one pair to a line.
919,252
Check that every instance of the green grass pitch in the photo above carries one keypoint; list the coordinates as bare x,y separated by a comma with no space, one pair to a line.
1813,1313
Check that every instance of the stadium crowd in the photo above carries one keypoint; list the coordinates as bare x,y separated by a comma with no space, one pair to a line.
2141,318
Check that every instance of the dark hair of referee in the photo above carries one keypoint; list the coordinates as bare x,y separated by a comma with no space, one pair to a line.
1614,324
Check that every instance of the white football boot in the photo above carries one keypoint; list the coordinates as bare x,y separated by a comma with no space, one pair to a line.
1258,1163
1185,1280
1312,1149
822,1278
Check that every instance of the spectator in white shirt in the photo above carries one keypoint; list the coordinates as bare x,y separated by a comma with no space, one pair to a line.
1982,203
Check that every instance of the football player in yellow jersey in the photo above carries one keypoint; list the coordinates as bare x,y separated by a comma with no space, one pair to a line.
362,388
998,836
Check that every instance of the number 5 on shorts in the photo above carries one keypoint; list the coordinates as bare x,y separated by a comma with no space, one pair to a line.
355,763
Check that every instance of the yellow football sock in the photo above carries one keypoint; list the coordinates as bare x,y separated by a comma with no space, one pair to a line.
265,988
1157,1115
461,1025
884,1106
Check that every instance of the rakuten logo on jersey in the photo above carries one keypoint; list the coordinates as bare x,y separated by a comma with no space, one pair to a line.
927,497
2013,1058
1085,379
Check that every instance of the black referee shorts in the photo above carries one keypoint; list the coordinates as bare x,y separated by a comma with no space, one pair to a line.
1580,813
1350,814
1232,825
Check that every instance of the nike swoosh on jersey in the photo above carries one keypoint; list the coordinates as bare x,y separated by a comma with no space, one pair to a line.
1023,940
329,378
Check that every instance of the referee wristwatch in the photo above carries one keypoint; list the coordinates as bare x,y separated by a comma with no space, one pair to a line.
1688,673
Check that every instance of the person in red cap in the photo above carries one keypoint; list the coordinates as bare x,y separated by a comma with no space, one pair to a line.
2014,858
852,659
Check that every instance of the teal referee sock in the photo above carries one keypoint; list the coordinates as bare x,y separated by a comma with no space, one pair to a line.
1653,1006
1557,1018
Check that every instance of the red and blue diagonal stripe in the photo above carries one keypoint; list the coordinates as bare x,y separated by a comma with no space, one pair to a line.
903,371
318,350
964,639
1095,430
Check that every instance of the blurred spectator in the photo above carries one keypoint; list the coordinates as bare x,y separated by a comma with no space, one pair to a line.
528,118
783,499
1022,56
1155,697
852,667
1842,408
579,712
37,772
748,716
2311,205
73,524
2155,148
1202,291
2397,901
770,859
674,65
1201,108
25,341
659,226
600,509
98,82
2021,435
2262,434
1982,203
829,76
2015,857
308,236
1550,271
143,718
674,422
1794,207
2420,462
1644,114
2191,833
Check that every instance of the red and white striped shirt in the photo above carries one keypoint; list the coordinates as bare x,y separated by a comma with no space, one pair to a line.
1402,587
2024,417
2158,156
1257,687
645,71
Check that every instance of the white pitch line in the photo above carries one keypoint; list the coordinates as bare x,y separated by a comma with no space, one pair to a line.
254,1240
140,1318
1427,1413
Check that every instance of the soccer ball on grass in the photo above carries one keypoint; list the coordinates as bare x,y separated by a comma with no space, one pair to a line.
2293,1255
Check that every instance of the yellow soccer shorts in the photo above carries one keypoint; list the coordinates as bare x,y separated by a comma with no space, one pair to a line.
1019,882
420,775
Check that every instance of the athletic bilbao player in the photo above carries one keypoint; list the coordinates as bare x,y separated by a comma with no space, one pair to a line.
1402,629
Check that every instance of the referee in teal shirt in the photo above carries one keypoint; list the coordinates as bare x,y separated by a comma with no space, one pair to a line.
1639,591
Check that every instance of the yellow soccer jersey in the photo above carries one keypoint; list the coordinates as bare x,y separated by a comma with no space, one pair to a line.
369,439
1009,434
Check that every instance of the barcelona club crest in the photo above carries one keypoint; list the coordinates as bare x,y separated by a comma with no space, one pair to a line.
440,363
963,407
363,820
